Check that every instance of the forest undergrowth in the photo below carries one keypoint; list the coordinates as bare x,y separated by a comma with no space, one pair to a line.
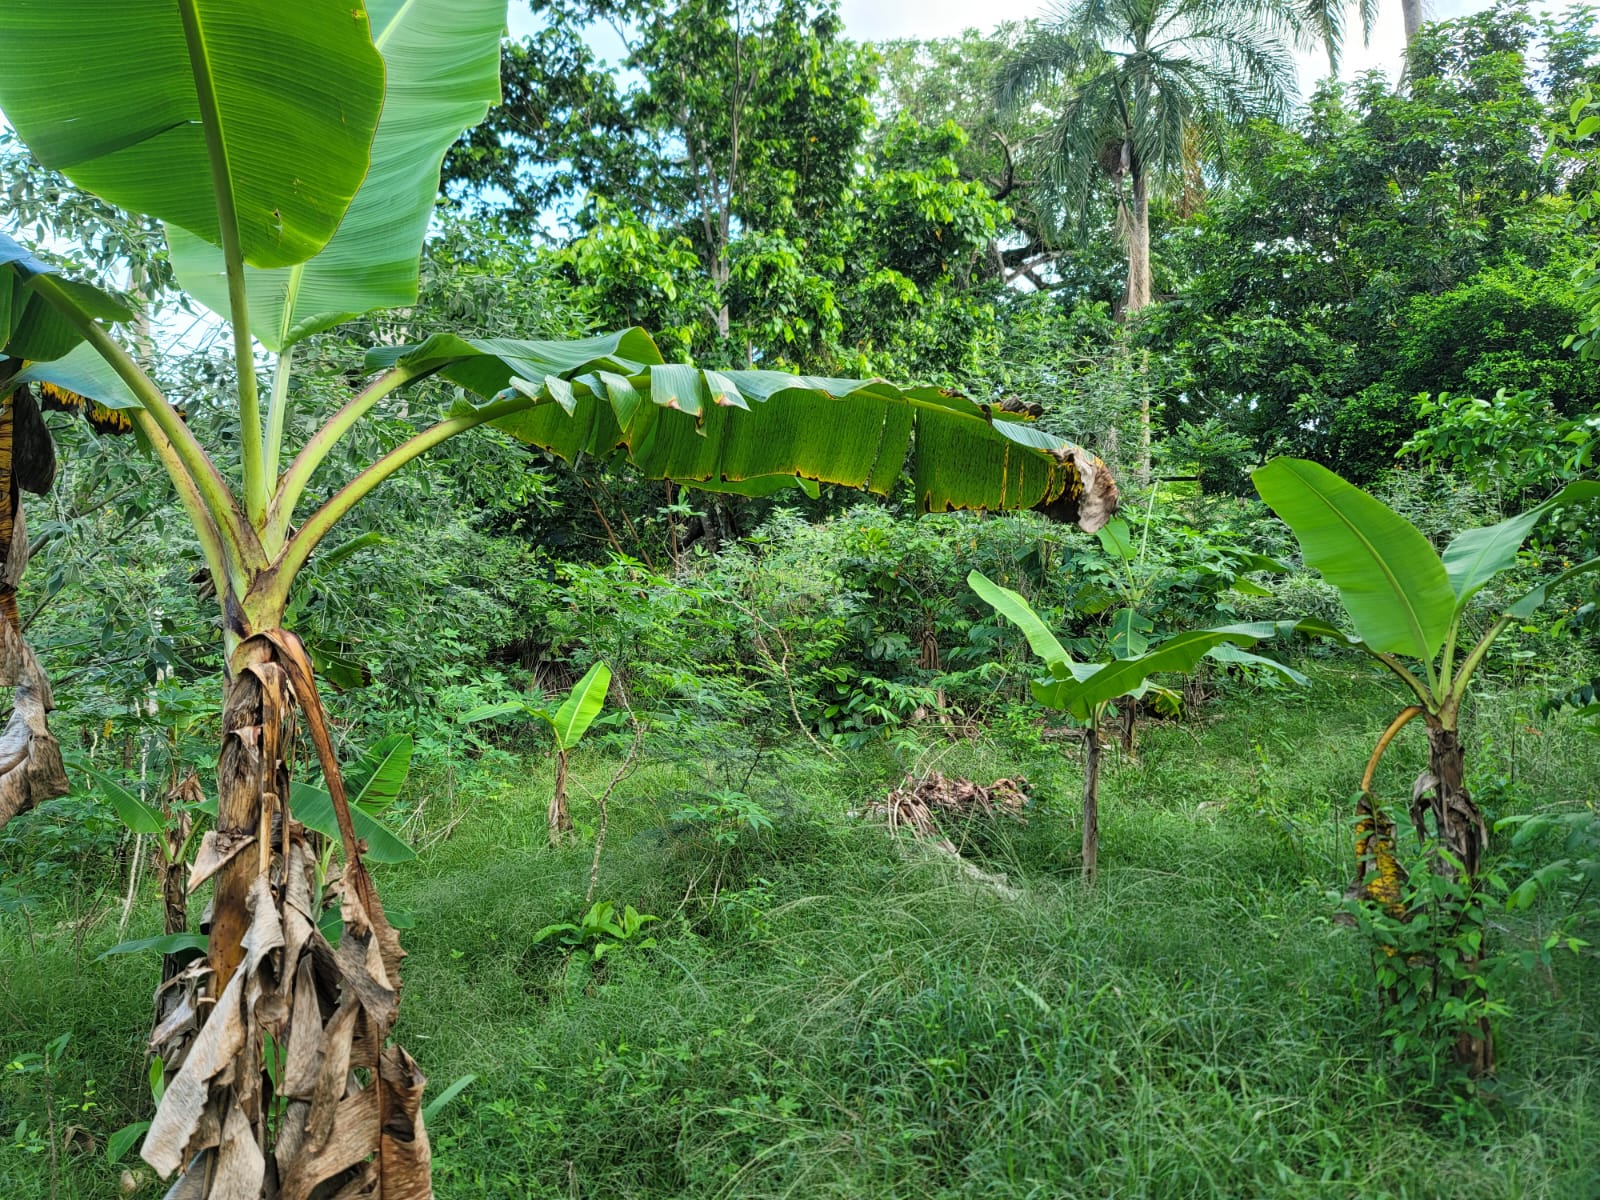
817,1012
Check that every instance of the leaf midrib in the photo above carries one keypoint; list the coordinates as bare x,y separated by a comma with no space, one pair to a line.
1394,581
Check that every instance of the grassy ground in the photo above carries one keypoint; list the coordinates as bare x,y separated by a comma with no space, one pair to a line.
823,1017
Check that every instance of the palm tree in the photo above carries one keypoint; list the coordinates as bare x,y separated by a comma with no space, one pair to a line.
1149,85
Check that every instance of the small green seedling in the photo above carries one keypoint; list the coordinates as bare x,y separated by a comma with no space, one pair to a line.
567,724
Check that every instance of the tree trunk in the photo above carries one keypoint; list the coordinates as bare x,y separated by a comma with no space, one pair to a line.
1091,801
339,1112
560,820
1411,11
1138,295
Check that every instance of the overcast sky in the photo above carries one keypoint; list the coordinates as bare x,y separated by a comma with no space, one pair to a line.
873,19
869,20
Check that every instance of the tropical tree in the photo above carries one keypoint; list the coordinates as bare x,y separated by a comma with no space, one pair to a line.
296,188
1408,602
1142,90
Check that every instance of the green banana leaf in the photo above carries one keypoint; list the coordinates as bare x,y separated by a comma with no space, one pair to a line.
30,326
1019,612
377,777
442,64
1389,578
1478,555
84,372
313,808
117,97
742,430
581,707
1123,676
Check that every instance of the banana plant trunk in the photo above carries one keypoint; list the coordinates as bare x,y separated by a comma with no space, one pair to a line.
280,1079
1091,800
1459,826
558,817
1462,835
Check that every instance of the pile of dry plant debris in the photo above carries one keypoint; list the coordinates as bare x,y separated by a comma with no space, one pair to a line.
926,805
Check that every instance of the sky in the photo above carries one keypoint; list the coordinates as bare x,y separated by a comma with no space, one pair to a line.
880,20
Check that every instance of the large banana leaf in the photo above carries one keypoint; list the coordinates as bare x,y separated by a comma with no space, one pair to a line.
1124,676
1014,608
743,430
114,96
1390,580
1478,555
30,326
442,59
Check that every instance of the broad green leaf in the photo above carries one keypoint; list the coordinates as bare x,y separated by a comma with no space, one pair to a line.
1231,653
487,712
1117,540
120,1142
162,943
377,778
1532,601
313,808
1389,578
581,707
1019,612
1130,632
852,432
435,1106
114,97
30,326
442,71
133,812
83,371
1478,555
1122,676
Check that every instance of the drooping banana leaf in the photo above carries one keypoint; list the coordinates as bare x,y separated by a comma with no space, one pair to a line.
442,71
117,98
743,430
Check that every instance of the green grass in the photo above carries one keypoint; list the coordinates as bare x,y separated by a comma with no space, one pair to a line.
845,1022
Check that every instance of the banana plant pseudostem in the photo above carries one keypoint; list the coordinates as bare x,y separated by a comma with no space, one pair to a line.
292,151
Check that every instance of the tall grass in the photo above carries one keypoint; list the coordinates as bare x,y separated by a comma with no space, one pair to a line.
846,1021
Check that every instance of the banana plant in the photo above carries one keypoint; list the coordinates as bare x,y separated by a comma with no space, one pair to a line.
567,724
1408,602
1412,610
292,153
1088,691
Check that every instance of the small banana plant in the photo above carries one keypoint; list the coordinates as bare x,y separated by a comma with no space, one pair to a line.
1088,691
1412,612
567,724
